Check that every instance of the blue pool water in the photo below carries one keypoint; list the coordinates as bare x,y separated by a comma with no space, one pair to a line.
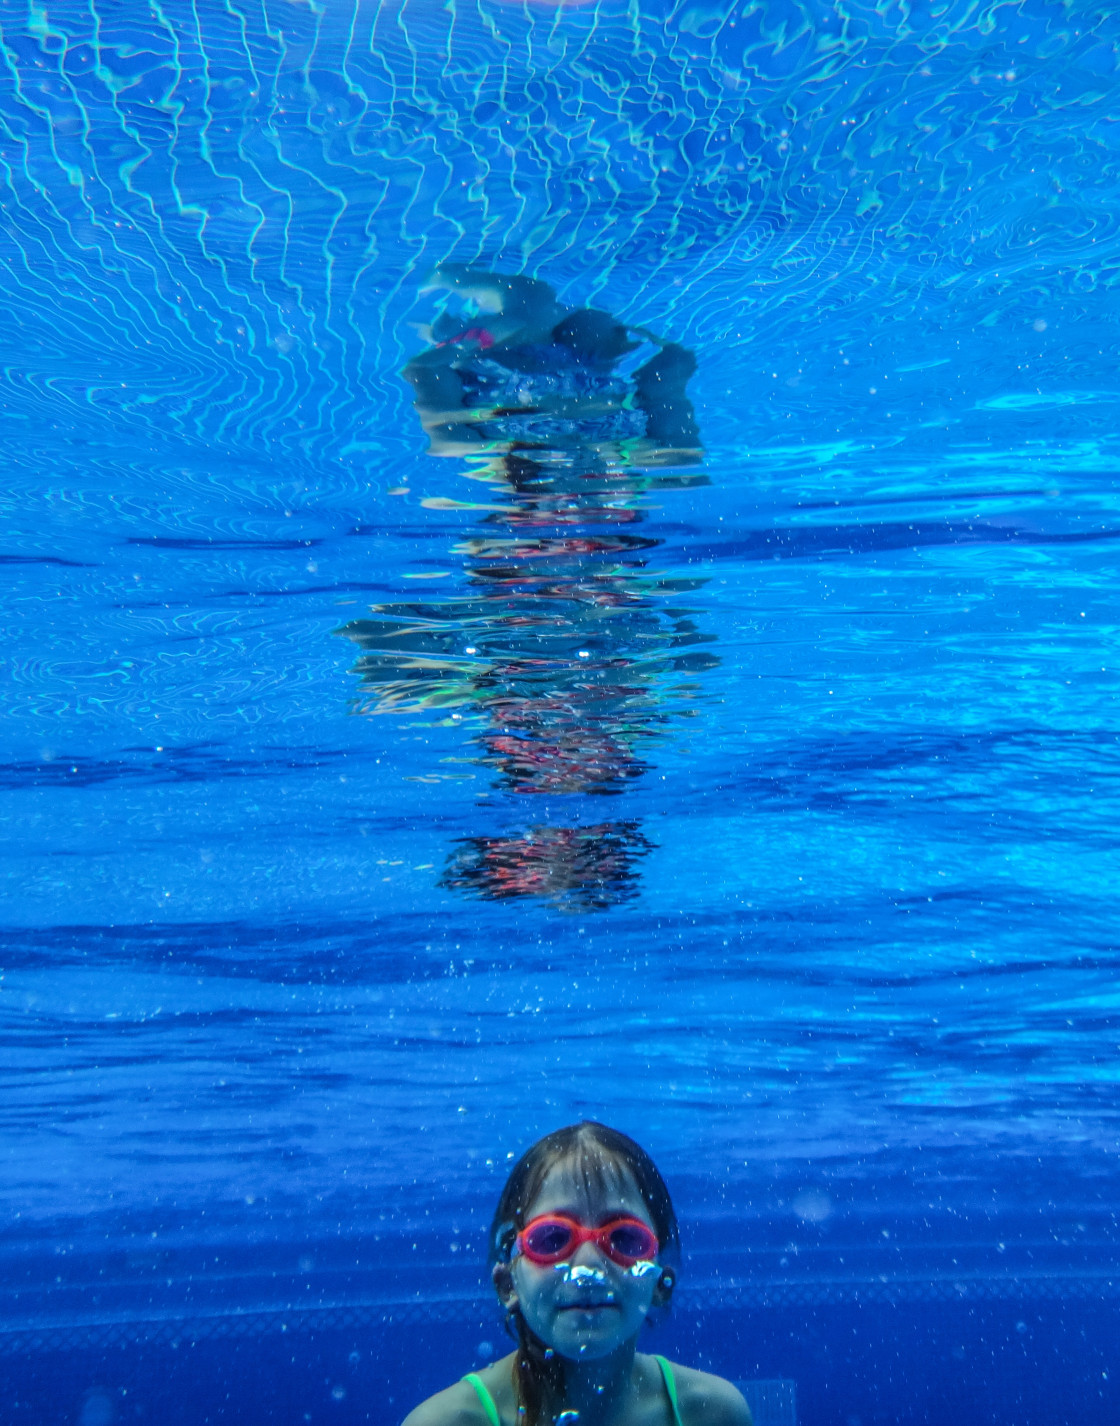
372,811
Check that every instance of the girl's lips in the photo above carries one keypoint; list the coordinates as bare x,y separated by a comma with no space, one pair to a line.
586,1306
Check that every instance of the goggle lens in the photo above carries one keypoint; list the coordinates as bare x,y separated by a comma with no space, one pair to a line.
633,1241
550,1238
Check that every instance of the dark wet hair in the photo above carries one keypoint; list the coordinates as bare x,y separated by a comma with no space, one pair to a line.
596,1153
595,336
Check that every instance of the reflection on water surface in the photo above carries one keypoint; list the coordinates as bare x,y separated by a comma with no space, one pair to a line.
558,654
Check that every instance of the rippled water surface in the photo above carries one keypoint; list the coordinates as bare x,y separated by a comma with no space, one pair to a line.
730,753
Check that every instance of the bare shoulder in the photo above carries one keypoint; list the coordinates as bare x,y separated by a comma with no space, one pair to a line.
457,1406
707,1400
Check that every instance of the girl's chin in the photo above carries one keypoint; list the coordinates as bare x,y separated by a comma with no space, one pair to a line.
586,1351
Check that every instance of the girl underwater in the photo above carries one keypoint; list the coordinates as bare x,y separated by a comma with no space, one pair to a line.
582,1246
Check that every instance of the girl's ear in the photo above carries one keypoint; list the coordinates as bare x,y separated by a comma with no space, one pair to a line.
663,1291
502,1277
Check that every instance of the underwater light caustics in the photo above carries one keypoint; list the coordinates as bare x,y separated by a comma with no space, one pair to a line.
560,646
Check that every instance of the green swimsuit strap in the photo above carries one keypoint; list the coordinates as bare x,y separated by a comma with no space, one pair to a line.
670,1388
485,1398
487,1401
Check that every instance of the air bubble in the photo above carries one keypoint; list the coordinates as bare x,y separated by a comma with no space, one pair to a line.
581,1273
812,1205
97,1410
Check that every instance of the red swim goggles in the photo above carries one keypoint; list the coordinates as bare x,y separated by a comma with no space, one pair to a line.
553,1237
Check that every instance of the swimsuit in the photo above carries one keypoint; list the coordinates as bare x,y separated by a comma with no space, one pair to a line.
494,1419
551,400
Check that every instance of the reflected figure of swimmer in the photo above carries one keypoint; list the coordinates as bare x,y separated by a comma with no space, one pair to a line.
570,418
583,1249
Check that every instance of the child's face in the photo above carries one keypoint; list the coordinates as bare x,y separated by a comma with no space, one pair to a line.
586,1306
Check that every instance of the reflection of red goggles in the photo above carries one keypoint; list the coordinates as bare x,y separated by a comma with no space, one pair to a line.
553,1237
480,335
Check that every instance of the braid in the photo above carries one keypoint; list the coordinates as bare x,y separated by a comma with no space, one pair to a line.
537,1372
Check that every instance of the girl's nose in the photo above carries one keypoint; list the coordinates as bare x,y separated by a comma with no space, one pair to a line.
587,1255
